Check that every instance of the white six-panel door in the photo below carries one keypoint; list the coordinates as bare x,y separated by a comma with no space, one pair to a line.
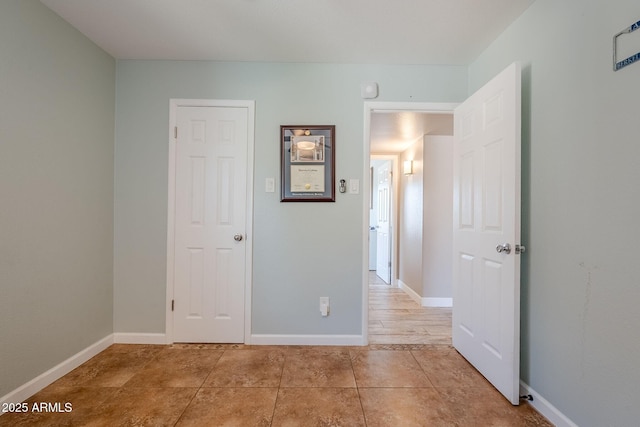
210,224
486,283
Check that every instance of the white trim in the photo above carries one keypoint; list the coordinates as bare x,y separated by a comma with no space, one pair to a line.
407,290
425,301
370,107
173,108
418,107
251,131
366,207
339,340
41,381
437,302
171,217
545,408
139,338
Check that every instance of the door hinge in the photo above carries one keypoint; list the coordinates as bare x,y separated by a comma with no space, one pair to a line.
175,132
172,304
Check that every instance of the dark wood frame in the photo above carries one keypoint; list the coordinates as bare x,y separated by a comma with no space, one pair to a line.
329,155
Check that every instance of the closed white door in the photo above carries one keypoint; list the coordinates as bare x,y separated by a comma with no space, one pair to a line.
210,224
383,229
486,273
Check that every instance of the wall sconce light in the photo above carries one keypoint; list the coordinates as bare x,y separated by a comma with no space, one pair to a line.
407,167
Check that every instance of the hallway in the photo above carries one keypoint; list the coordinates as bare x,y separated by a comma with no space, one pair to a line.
394,318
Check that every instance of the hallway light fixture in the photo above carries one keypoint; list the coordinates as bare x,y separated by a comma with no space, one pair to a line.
407,167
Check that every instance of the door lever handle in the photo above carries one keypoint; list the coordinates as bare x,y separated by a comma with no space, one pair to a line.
506,248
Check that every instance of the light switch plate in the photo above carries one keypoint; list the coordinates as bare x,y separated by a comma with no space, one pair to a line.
270,185
354,186
324,306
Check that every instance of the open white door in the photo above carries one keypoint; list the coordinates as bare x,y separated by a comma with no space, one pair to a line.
383,253
486,231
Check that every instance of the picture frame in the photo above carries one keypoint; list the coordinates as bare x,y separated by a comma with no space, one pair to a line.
307,163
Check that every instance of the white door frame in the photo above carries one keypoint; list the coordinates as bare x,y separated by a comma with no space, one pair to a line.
171,202
390,107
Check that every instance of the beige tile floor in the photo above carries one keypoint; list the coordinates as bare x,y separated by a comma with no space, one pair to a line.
237,385
384,384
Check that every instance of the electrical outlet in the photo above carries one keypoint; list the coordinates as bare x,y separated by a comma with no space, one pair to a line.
324,306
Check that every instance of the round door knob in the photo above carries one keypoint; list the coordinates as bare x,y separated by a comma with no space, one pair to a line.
506,248
237,237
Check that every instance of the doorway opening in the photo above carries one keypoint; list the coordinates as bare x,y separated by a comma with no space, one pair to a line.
394,300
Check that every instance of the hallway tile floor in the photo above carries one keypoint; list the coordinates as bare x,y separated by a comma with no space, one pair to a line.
238,385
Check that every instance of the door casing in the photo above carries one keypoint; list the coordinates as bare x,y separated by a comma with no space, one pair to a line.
171,201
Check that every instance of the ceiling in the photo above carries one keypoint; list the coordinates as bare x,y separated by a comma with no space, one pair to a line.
394,132
447,32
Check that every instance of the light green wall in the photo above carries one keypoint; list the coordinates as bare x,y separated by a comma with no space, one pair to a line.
56,192
301,250
581,167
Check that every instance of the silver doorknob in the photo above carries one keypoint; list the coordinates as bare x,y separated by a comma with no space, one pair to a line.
506,248
237,237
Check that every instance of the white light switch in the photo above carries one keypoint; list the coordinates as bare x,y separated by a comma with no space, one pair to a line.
354,186
270,185
324,306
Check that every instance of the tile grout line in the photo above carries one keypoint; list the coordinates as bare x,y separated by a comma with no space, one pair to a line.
198,390
355,379
275,403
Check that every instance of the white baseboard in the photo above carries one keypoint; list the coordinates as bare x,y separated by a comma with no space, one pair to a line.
41,381
139,338
543,406
425,301
437,302
407,290
338,340
256,339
